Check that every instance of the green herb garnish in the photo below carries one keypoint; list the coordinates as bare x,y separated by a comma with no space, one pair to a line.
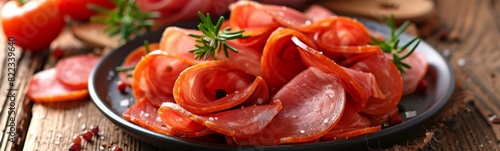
213,39
392,44
126,20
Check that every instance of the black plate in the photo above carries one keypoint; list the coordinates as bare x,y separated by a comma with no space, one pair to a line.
102,86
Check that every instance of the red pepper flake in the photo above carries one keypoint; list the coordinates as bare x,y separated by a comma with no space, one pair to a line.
395,120
95,130
75,147
494,119
116,148
443,34
77,139
58,53
87,135
422,86
121,87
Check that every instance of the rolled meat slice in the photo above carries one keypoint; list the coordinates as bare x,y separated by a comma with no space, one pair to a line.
281,60
155,75
198,89
258,24
314,58
389,81
176,41
131,61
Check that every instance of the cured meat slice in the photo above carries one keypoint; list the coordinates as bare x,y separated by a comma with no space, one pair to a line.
155,75
75,71
281,60
44,87
336,31
340,38
258,24
205,79
176,41
146,115
318,12
246,60
350,132
367,81
132,59
419,66
314,58
351,118
313,103
241,122
389,81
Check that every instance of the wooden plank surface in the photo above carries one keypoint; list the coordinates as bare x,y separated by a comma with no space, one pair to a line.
463,125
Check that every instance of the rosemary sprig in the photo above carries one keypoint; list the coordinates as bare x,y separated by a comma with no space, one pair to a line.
130,68
392,44
213,39
126,20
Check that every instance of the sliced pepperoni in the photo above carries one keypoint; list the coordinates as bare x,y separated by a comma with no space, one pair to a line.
132,59
205,79
176,41
241,122
44,87
389,81
313,103
314,58
75,71
281,60
155,75
146,115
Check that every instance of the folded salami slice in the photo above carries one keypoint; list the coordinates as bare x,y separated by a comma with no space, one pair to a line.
154,76
131,61
241,122
198,87
313,103
146,115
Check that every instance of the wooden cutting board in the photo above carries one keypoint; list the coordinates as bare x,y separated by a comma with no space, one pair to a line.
414,10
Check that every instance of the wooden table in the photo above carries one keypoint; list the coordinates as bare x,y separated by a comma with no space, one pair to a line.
463,125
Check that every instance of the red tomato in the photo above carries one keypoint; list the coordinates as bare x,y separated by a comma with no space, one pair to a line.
34,25
78,9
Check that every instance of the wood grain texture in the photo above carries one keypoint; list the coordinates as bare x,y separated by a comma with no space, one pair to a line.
462,125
